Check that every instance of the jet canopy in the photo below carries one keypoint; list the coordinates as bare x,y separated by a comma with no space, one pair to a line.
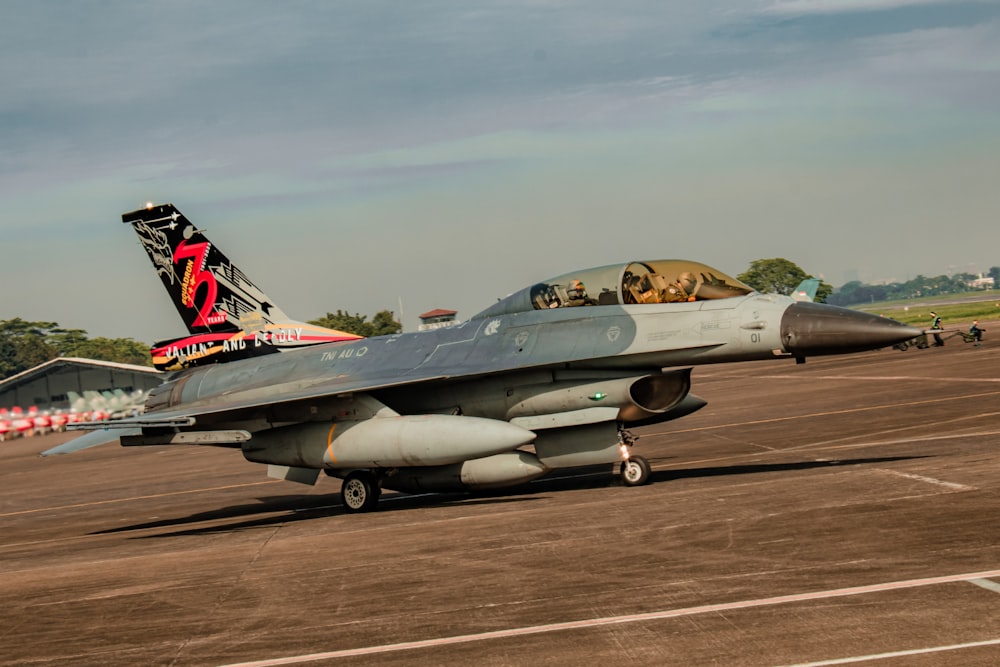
654,281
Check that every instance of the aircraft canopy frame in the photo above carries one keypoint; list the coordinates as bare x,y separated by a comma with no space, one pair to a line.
636,282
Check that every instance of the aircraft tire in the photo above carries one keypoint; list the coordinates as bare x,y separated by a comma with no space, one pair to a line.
359,492
635,471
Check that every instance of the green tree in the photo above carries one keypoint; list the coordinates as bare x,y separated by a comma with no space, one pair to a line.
8,357
24,345
68,341
779,276
120,350
382,323
994,273
824,291
19,327
32,350
773,276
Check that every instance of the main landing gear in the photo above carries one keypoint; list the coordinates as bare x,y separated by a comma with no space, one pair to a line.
634,469
360,491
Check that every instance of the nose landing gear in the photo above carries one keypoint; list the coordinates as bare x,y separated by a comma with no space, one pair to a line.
634,469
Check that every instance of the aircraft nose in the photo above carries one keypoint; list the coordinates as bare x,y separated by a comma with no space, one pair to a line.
816,328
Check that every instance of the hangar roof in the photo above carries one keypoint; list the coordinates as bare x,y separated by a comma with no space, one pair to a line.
41,369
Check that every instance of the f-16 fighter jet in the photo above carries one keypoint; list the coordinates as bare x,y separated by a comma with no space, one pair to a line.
553,376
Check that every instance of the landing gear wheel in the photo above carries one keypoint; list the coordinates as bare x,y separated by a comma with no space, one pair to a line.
635,471
360,492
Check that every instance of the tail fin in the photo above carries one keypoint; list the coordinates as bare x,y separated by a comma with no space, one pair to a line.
227,315
210,293
77,403
806,291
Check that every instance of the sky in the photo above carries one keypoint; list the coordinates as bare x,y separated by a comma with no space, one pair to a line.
366,155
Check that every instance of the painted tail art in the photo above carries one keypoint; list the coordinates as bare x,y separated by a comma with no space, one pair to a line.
227,315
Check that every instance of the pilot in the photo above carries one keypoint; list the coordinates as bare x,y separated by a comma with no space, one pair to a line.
630,287
577,294
687,282
680,290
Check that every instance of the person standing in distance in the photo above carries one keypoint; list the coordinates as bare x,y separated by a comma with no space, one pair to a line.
938,341
977,332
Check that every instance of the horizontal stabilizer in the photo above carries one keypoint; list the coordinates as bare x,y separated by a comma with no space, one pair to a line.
89,440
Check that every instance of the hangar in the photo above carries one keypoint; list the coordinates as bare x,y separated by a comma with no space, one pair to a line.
46,385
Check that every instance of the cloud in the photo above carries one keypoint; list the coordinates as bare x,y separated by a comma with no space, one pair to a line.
937,51
799,7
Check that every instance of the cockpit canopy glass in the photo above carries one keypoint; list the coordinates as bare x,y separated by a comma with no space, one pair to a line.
655,281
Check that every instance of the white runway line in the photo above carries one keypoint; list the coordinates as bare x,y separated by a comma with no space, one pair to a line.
878,378
897,654
846,411
987,584
619,620
929,480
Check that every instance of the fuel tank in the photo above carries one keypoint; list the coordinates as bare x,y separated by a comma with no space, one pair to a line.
385,442
497,471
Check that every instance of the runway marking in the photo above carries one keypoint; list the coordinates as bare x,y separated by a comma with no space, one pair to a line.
619,620
987,584
929,480
879,443
847,411
897,654
123,500
825,446
892,378
938,424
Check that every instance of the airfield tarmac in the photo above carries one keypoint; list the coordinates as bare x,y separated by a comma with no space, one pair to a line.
845,511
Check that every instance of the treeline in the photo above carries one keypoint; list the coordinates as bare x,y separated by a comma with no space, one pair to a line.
780,276
857,292
24,345
383,323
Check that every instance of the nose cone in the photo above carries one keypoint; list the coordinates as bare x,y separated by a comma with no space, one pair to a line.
816,328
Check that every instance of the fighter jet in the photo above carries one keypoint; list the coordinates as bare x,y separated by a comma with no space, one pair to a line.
103,405
553,376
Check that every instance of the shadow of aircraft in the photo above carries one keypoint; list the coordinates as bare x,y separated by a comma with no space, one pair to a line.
291,508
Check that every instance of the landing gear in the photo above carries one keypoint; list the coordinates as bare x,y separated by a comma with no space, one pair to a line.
635,471
360,492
